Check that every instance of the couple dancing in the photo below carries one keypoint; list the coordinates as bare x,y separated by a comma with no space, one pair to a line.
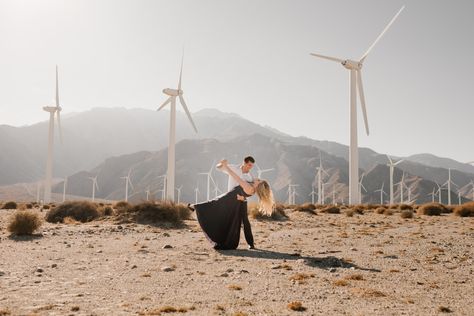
221,218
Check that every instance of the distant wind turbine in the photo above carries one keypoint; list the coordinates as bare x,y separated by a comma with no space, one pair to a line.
356,84
94,186
439,193
148,192
392,166
262,171
179,193
361,186
196,192
127,182
52,110
382,192
320,173
209,180
173,94
432,194
64,189
312,194
448,184
402,184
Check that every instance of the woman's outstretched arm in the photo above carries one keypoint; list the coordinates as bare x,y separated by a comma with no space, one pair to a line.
248,189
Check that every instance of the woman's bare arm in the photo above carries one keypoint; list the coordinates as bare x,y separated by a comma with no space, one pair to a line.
248,189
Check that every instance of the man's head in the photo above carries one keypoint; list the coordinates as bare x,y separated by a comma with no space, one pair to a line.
248,164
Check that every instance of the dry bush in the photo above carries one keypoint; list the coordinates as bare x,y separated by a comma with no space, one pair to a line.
307,208
403,207
432,209
156,212
300,278
278,214
24,223
406,213
331,209
465,210
388,212
367,293
106,210
356,277
10,205
81,211
444,309
296,306
5,312
46,207
349,212
122,207
29,206
380,210
341,282
235,287
359,209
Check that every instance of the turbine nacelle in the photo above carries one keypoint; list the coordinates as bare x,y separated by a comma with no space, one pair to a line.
352,64
173,92
52,109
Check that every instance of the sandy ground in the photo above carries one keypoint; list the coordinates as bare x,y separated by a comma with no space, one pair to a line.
333,264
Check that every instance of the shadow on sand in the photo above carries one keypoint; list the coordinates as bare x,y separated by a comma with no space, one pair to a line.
25,237
325,263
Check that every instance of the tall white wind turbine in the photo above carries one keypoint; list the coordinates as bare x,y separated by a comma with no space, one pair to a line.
173,94
52,110
64,189
127,182
148,192
320,174
94,186
448,185
355,68
392,165
262,171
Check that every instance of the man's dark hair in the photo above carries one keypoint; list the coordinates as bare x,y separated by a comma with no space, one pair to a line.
249,158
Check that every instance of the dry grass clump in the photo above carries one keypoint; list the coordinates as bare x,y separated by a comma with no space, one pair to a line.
296,306
46,207
278,214
341,282
406,213
432,209
5,312
10,205
24,223
81,211
106,210
122,206
307,208
465,210
156,212
235,287
331,209
349,212
355,277
380,210
403,207
388,212
300,278
367,293
444,309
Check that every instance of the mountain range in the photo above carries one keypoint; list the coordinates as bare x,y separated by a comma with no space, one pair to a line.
108,142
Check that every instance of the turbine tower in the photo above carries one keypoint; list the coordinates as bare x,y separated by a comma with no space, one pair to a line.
147,192
196,192
173,94
312,194
392,166
52,110
448,184
356,84
440,187
64,189
163,191
127,182
432,194
94,186
179,193
209,180
401,184
361,186
320,174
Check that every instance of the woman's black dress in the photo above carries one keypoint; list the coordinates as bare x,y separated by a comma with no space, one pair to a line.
221,218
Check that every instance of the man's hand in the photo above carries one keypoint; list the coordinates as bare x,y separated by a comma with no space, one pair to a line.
240,197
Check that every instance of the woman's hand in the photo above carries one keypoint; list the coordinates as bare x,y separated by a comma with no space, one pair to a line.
222,164
240,197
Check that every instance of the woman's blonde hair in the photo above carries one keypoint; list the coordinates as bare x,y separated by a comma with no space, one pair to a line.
265,196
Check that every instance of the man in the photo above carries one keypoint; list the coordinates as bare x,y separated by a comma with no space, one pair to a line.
243,171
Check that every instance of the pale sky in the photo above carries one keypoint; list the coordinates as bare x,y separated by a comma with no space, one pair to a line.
252,57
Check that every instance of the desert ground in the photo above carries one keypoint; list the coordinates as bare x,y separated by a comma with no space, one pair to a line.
333,264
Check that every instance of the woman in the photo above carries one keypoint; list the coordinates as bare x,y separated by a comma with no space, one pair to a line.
221,218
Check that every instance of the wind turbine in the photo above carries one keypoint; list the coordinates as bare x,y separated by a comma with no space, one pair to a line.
163,191
179,192
401,184
472,185
209,180
459,196
361,186
52,110
196,192
148,192
392,166
333,194
382,192
173,94
320,171
94,187
293,193
432,194
38,189
127,182
312,194
439,193
262,171
64,189
448,184
356,83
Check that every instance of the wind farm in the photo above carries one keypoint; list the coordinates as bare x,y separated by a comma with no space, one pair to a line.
263,196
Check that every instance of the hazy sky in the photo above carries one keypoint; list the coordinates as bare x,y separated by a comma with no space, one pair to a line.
252,57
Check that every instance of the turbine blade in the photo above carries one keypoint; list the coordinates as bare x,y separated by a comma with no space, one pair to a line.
390,159
183,104
181,71
60,129
381,34
362,100
328,57
398,162
164,104
57,87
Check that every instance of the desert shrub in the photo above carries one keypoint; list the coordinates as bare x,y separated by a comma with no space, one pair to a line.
331,209
29,206
306,207
106,211
122,207
278,214
432,209
296,306
81,211
349,212
359,209
406,214
380,210
403,207
465,210
10,205
163,211
388,212
46,207
24,223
